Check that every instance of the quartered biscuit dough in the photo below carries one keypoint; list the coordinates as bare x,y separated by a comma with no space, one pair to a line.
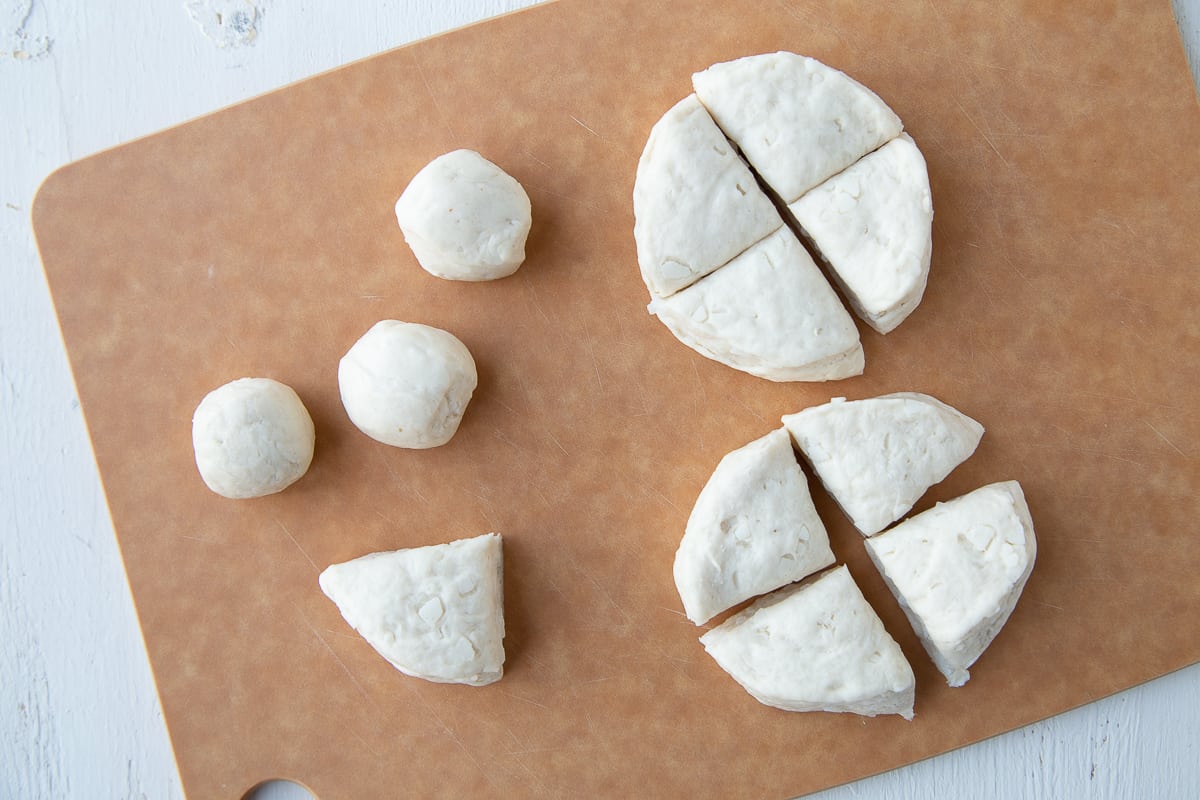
958,570
876,457
815,646
768,312
752,530
696,204
873,224
796,120
433,612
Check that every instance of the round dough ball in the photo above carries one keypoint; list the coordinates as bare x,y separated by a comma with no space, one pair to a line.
407,384
252,437
465,218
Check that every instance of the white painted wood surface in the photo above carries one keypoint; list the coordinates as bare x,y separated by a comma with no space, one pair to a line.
78,712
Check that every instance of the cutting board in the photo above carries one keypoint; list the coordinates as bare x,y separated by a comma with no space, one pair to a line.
1061,140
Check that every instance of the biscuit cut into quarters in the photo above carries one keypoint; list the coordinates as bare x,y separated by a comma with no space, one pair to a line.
768,312
696,204
876,457
958,570
796,120
753,529
799,124
873,225
433,612
815,646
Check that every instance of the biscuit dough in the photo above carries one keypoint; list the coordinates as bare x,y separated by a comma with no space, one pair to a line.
465,218
958,570
768,312
407,384
876,457
752,530
433,612
252,437
816,646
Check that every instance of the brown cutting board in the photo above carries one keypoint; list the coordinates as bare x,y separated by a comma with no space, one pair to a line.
1061,312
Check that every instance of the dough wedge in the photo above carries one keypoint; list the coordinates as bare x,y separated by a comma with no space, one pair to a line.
873,225
816,646
796,120
433,612
753,529
696,204
958,570
769,312
876,457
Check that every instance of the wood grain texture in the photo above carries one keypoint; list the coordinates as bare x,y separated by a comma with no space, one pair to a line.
43,546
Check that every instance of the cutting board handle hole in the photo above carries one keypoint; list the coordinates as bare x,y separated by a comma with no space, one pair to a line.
279,790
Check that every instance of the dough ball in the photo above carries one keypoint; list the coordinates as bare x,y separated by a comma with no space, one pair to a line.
252,437
406,384
465,218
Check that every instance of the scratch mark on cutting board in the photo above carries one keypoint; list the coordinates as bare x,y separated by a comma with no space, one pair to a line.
336,658
557,443
585,126
298,547
532,157
567,197
451,733
366,744
986,138
432,96
1162,436
524,699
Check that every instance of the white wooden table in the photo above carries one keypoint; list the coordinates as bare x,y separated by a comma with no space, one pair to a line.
78,713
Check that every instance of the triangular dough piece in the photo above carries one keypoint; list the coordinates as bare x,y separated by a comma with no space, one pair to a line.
434,612
958,570
752,530
696,204
873,224
796,120
768,312
816,646
878,456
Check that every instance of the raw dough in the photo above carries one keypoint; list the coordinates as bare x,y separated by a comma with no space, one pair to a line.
434,612
407,384
796,120
873,224
752,530
696,204
878,456
958,570
465,218
815,646
252,437
768,312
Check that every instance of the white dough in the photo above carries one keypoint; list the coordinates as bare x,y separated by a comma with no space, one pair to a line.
752,530
958,570
768,312
876,457
816,646
873,223
407,384
696,204
796,120
252,437
434,612
465,218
